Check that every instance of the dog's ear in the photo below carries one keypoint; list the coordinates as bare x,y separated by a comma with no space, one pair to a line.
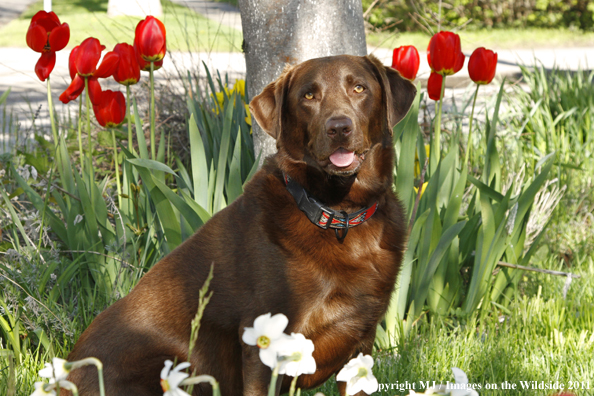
399,93
263,109
266,107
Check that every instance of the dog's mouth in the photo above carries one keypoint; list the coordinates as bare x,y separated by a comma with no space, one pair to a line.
343,162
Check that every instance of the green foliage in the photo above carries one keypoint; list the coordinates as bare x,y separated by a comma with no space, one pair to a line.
452,252
480,14
90,250
557,114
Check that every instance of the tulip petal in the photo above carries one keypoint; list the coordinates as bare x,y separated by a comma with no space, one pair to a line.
74,89
128,70
108,65
72,61
434,85
94,90
45,65
59,37
88,56
36,37
49,20
150,38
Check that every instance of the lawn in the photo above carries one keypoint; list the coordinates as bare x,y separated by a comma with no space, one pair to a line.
495,38
186,30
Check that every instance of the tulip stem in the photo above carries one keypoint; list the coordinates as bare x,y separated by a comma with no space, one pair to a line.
129,118
469,142
117,166
88,98
51,112
434,153
152,82
90,361
80,147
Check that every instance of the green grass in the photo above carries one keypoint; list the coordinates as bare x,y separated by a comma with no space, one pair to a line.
495,38
186,30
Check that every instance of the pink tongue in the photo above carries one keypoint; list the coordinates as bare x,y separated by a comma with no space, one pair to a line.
342,158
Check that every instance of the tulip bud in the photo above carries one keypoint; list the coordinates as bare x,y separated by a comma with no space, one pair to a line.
128,71
406,60
149,39
444,53
110,108
482,65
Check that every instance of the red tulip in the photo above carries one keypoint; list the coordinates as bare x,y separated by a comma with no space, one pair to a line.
144,65
444,53
482,65
434,85
406,60
128,71
88,55
149,39
47,35
82,64
110,108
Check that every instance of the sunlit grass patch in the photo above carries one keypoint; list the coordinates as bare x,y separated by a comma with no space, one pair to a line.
494,38
186,30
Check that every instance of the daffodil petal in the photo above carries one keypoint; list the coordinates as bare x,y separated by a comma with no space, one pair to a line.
367,361
260,323
268,356
47,371
175,378
369,385
249,336
276,326
181,366
165,371
460,376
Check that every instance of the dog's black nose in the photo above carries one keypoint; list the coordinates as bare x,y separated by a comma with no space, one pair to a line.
339,126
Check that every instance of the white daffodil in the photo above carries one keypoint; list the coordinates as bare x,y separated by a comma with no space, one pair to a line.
295,353
358,375
170,379
39,391
267,331
461,387
55,371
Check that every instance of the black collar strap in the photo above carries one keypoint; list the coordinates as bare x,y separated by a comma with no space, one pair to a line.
323,216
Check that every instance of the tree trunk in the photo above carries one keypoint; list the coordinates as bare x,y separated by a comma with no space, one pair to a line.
281,32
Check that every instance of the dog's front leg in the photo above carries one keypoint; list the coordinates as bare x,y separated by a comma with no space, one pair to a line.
256,375
366,348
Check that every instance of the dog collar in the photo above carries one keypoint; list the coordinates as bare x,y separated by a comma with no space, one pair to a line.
323,216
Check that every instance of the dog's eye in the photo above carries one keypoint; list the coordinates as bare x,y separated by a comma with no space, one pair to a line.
359,88
308,96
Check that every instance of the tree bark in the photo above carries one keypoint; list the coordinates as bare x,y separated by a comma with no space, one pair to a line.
277,33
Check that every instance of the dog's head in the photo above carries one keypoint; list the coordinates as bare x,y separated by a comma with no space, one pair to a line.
329,112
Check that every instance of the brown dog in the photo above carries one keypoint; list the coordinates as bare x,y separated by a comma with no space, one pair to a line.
332,119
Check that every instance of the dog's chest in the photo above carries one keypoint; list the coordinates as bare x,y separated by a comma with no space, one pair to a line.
346,285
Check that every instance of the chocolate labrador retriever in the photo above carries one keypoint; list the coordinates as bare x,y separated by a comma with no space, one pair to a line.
318,235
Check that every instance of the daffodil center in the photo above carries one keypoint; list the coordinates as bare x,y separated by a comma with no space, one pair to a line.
362,372
263,342
165,385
